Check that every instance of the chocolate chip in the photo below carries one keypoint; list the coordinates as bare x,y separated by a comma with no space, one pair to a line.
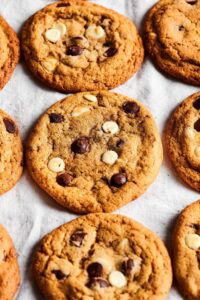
56,118
181,28
95,270
98,282
10,125
81,145
131,107
197,125
77,238
74,50
196,104
120,143
127,266
59,274
191,2
110,52
117,180
64,179
108,44
76,39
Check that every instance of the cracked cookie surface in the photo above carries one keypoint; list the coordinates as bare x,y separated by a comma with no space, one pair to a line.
9,51
182,139
78,46
172,38
102,256
94,152
186,251
11,153
9,269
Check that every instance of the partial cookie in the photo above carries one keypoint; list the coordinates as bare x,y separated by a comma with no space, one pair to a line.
186,251
11,153
79,46
9,269
9,51
94,152
182,138
102,256
172,38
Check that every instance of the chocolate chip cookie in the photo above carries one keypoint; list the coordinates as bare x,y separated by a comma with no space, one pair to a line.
172,38
182,138
102,256
9,270
11,152
79,46
186,251
94,152
9,51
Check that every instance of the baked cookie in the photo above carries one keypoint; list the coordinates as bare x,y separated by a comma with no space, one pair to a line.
11,153
79,46
186,251
9,51
182,138
172,38
94,152
102,256
9,269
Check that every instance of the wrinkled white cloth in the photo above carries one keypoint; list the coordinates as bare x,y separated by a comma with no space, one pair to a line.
26,211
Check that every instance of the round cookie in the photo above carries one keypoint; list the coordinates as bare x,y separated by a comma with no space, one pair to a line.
186,251
9,51
9,269
171,34
95,152
182,139
11,153
79,46
102,256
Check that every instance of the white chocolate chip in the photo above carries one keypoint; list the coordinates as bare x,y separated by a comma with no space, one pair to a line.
197,151
95,32
91,98
110,127
56,164
110,157
80,110
193,241
189,132
117,279
107,265
61,27
53,35
123,244
50,63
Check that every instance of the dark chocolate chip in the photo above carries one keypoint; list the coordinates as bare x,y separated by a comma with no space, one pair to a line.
127,266
98,282
64,179
59,274
181,28
74,50
56,118
196,104
197,125
76,39
120,143
77,238
108,44
131,107
117,180
110,52
81,145
95,270
191,2
10,125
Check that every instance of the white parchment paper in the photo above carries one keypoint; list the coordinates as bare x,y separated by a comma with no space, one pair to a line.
26,211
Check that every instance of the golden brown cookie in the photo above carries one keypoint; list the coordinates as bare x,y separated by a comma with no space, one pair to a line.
79,46
11,153
9,269
94,152
102,256
186,251
172,38
182,139
9,51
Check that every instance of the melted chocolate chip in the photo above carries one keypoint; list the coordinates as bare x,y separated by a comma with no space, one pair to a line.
59,274
120,143
64,179
127,266
81,145
95,270
10,125
110,52
117,180
56,118
197,125
130,107
74,50
98,282
196,104
77,238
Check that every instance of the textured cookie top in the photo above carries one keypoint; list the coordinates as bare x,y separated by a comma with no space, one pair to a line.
186,245
102,256
9,52
9,270
183,140
79,46
95,152
172,35
11,153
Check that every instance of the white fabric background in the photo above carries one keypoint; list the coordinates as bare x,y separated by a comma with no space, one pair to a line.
26,211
